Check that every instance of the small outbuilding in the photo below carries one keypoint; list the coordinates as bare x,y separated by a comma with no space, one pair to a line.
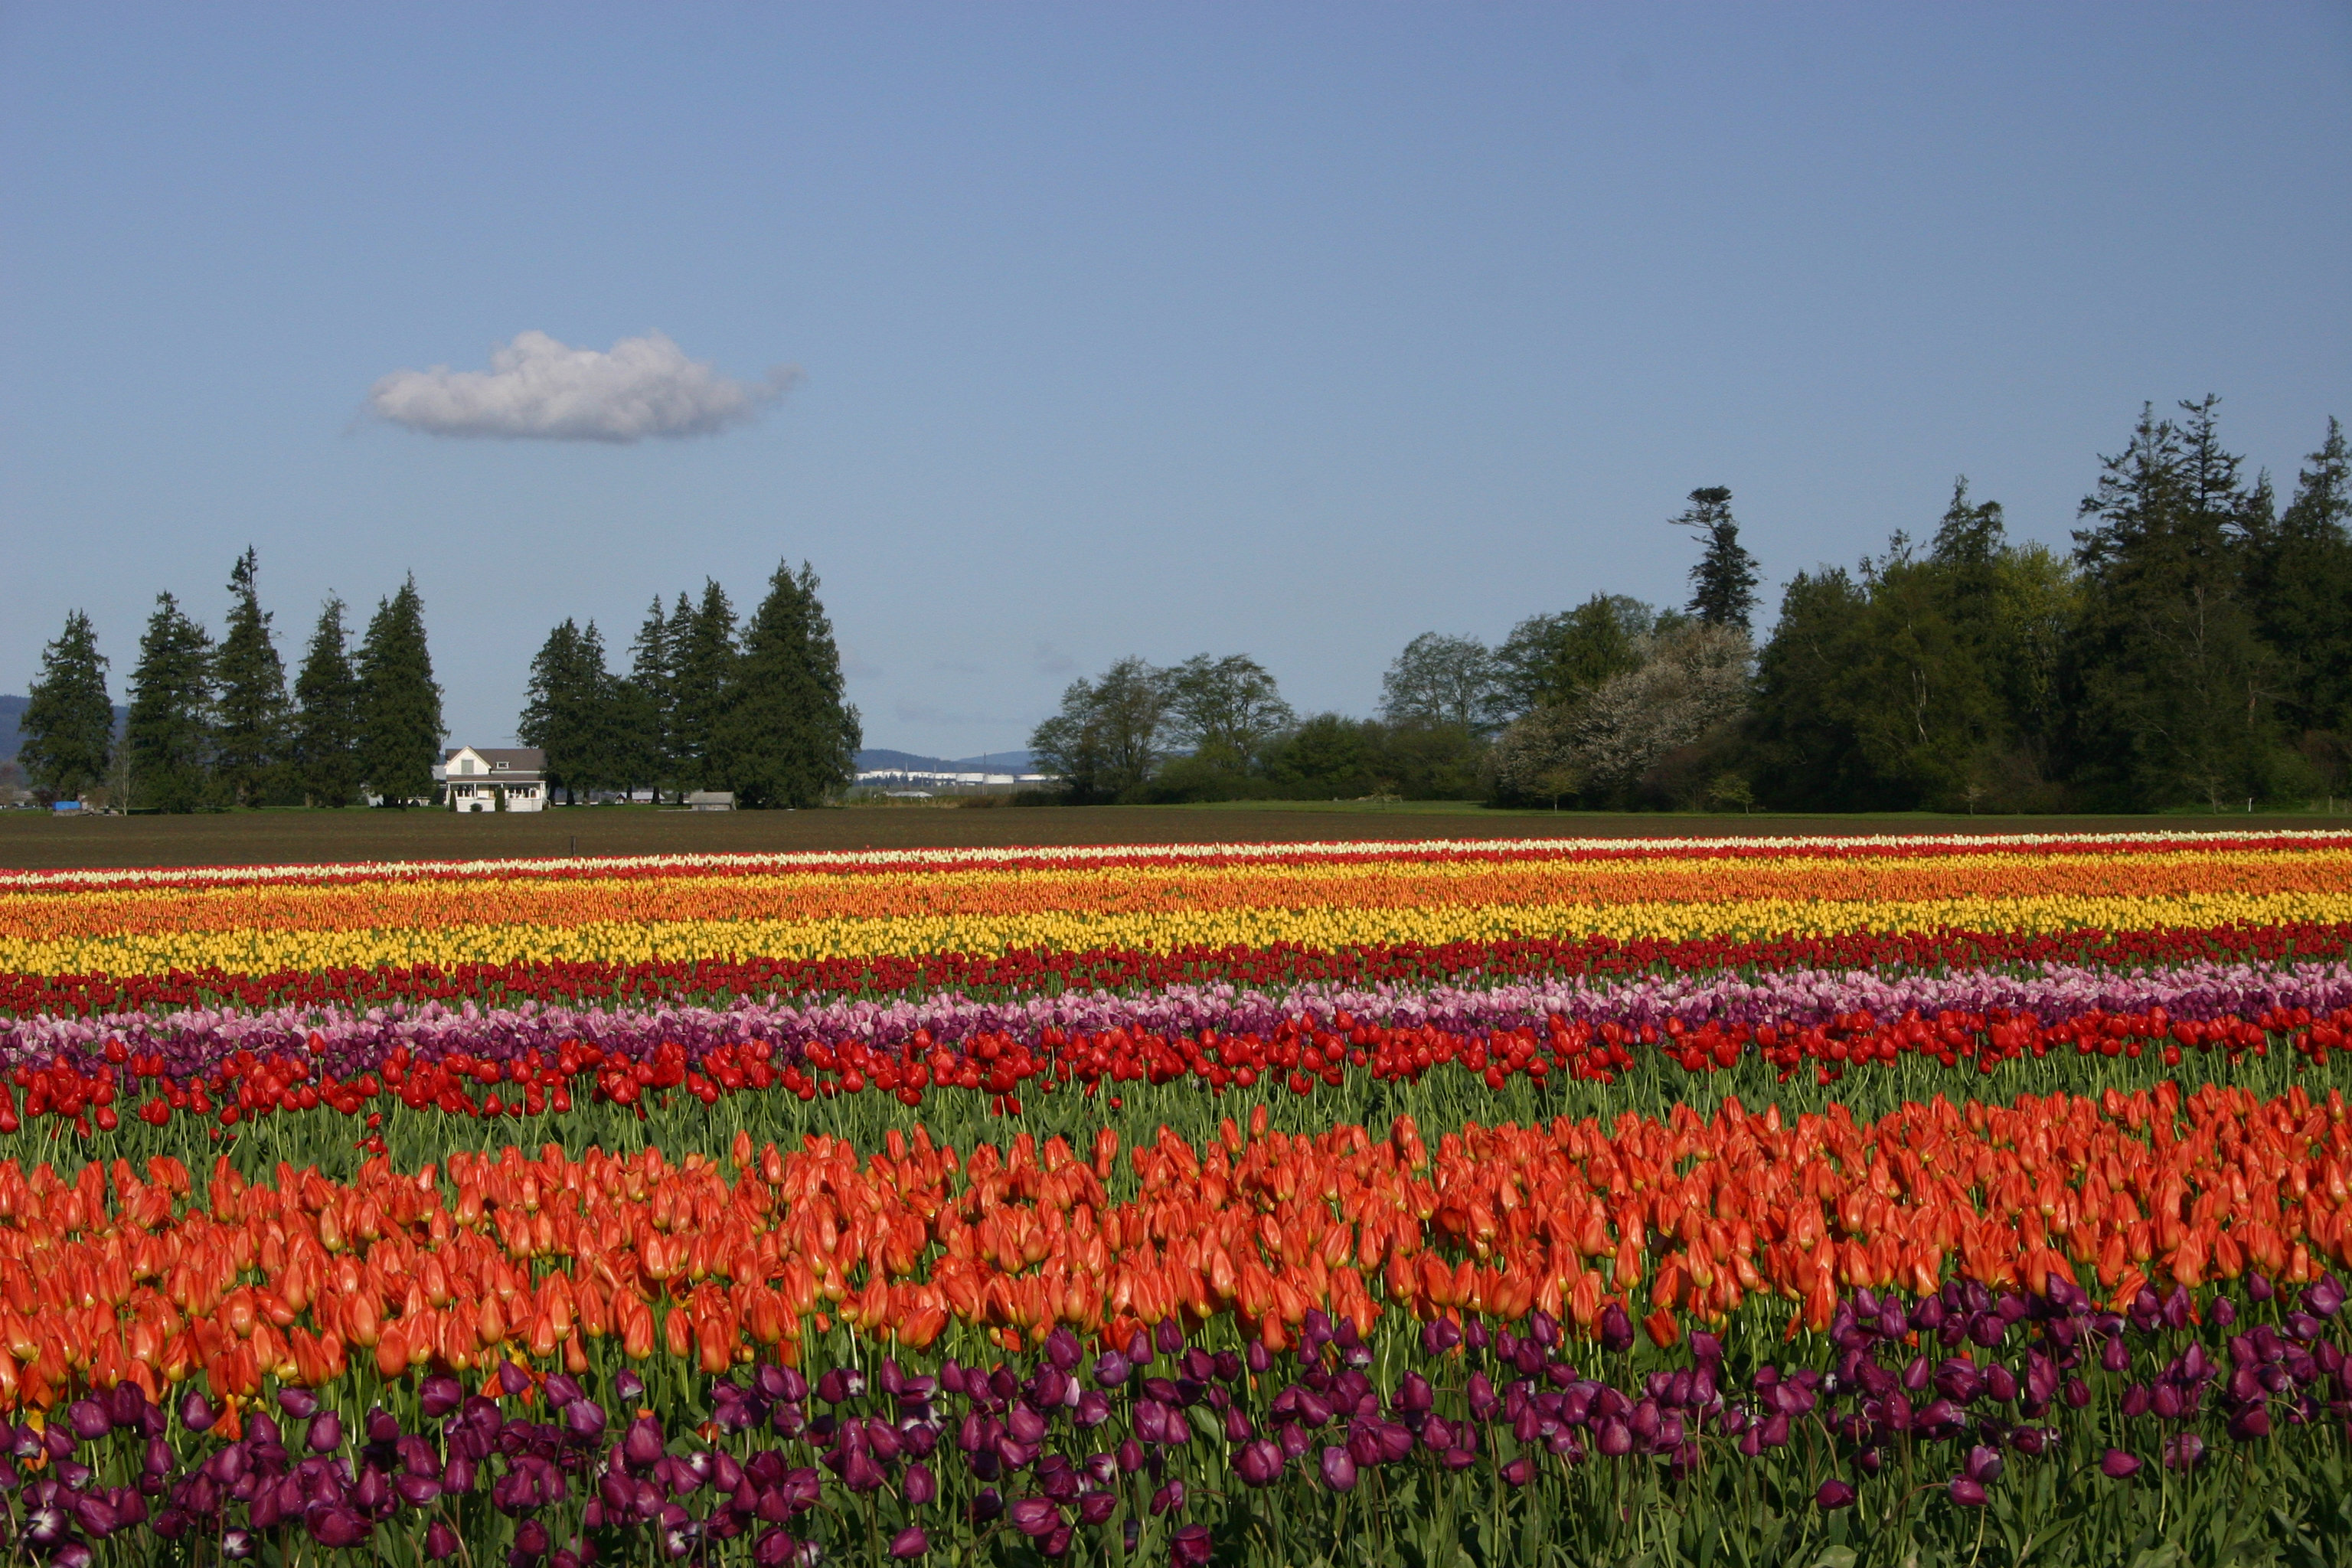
711,800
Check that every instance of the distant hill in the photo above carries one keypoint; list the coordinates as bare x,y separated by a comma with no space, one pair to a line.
877,758
13,707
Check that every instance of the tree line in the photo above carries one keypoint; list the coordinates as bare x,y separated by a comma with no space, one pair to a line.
214,724
756,711
2194,648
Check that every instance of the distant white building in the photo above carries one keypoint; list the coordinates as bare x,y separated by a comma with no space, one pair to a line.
876,777
482,777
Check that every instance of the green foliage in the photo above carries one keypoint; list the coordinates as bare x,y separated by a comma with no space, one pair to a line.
327,714
572,710
1225,709
169,733
400,728
1441,679
702,686
69,725
649,697
1921,682
1551,661
1104,740
1723,583
2172,680
250,736
2299,579
791,739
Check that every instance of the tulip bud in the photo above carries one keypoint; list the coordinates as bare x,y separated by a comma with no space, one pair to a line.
629,1387
1338,1468
326,1433
512,1380
909,1542
440,1542
2118,1466
1966,1492
1258,1464
440,1395
196,1412
1169,1498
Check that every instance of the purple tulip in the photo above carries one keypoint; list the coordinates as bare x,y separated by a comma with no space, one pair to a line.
1616,1330
2118,1466
1835,1494
641,1446
336,1527
1338,1470
326,1433
1035,1517
1169,1498
1111,1369
561,1388
440,1542
583,1418
1966,1492
629,1387
1189,1547
919,1486
196,1412
909,1542
88,1419
440,1395
1259,1464
2325,1297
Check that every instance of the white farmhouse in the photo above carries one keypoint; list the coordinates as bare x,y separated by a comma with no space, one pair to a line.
496,778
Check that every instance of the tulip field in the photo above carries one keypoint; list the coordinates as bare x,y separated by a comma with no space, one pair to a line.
1828,1203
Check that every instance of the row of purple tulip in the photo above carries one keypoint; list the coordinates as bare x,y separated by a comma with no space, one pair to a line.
1167,1440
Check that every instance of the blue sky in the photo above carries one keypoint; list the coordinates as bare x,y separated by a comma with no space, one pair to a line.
1285,330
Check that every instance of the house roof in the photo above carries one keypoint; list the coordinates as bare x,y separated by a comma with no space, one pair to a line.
518,759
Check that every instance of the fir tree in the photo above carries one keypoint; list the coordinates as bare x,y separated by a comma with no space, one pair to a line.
169,731
67,728
2170,678
400,706
249,732
792,740
2300,581
327,715
704,687
1723,583
649,699
568,711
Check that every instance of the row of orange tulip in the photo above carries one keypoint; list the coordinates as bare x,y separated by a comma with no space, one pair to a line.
117,1276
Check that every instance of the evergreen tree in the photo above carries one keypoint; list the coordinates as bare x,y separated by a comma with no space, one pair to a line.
327,714
249,738
67,727
649,719
1723,583
400,706
791,739
169,731
1725,579
704,687
2300,581
569,711
2171,681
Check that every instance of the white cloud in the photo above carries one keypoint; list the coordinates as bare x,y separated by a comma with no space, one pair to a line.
540,389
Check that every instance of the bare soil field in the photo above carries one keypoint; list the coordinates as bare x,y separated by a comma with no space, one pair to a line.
30,840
